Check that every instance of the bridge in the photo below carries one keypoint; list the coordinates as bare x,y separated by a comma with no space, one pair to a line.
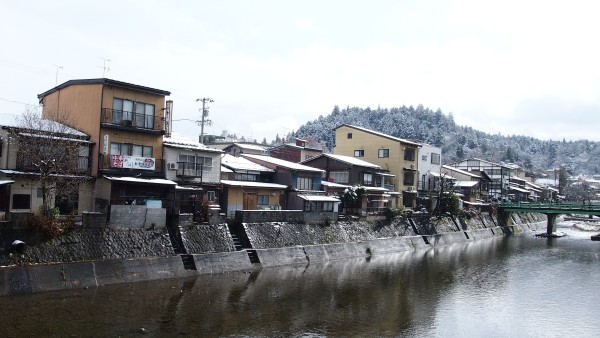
551,210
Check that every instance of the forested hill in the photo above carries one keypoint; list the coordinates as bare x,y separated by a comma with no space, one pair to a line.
459,142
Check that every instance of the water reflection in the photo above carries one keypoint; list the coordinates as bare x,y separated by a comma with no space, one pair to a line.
518,286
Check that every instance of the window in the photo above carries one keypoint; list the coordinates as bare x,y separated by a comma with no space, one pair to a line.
435,158
339,176
130,149
185,161
245,177
128,113
21,201
368,179
263,200
409,177
318,206
143,151
409,154
328,206
383,153
304,183
211,196
349,135
359,153
206,162
424,157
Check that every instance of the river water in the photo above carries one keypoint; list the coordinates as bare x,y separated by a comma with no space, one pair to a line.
520,286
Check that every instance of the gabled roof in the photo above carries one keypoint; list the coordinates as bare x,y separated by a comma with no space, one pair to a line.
182,142
241,164
480,160
282,163
253,184
48,126
346,159
107,82
463,172
378,134
248,146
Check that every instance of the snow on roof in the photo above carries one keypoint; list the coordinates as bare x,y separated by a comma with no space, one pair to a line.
283,163
46,126
3,182
334,185
179,141
251,146
253,184
319,198
464,172
465,184
140,180
512,187
240,163
350,160
78,140
380,134
226,170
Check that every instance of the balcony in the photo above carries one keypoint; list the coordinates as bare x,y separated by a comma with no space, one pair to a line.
106,166
189,170
125,120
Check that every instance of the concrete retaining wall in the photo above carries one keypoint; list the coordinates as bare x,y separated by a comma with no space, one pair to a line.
42,278
137,216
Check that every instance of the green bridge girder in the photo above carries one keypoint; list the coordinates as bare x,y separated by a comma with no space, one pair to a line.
551,208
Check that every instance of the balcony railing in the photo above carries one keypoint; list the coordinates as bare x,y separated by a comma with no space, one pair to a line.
192,170
105,166
127,119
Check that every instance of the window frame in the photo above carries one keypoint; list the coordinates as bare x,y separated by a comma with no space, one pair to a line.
383,153
359,153
435,158
302,182
409,154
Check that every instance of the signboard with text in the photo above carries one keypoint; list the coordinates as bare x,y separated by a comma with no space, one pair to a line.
132,162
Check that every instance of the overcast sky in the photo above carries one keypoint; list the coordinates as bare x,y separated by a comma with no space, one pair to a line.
510,67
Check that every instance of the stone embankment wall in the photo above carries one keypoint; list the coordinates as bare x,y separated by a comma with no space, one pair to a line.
106,256
96,244
200,239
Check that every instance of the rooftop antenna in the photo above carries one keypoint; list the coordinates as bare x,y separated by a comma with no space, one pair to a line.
204,116
105,68
56,78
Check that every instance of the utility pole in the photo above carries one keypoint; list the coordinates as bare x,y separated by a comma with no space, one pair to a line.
204,116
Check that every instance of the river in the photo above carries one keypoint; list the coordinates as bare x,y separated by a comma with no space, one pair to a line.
520,286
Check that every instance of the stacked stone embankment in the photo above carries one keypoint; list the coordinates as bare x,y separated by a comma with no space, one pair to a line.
99,256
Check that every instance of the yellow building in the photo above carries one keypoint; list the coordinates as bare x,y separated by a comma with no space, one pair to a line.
396,155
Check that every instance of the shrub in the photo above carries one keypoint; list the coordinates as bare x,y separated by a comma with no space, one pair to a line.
44,226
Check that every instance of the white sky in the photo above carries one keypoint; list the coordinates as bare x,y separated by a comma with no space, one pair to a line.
513,67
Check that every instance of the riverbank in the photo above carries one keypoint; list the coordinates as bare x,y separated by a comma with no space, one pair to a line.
97,257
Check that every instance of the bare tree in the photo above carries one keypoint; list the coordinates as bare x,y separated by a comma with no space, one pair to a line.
52,154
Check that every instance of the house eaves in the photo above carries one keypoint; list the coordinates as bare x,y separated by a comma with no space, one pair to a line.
105,82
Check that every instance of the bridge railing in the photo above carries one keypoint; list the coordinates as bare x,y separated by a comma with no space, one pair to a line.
553,206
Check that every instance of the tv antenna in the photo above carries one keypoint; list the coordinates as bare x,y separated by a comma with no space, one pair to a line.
105,68
56,78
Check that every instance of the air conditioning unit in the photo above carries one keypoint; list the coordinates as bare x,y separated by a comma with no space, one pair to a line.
172,166
412,166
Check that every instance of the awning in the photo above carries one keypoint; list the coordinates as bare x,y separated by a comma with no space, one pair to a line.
519,189
252,184
319,198
465,184
334,185
140,180
187,188
4,182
